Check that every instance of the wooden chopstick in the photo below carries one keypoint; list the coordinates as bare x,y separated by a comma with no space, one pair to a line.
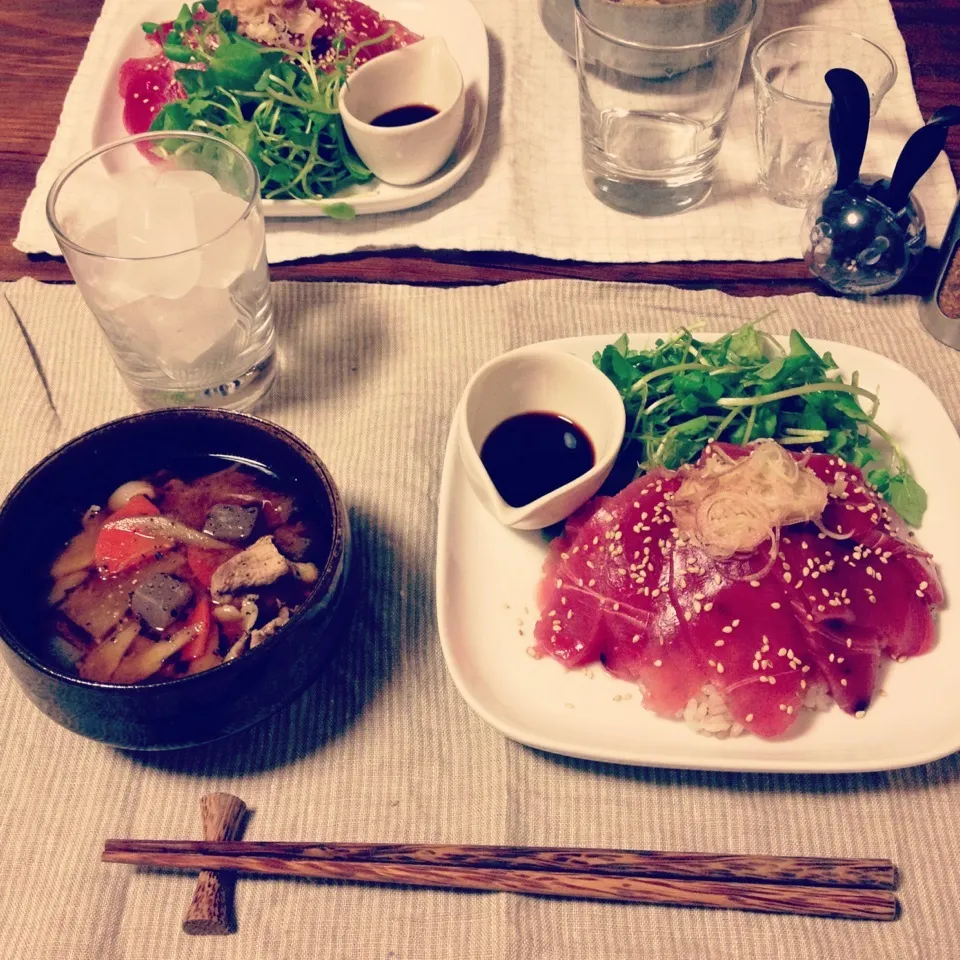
854,889
814,871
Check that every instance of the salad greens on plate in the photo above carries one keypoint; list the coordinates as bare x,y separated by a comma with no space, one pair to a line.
684,392
278,106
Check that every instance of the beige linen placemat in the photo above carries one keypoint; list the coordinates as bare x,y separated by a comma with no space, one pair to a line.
383,748
525,190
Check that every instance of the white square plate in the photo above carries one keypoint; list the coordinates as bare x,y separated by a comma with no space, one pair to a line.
487,577
457,21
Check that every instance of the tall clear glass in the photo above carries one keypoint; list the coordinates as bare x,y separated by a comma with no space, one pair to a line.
653,114
793,104
164,236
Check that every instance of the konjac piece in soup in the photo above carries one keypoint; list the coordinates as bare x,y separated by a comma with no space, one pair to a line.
180,572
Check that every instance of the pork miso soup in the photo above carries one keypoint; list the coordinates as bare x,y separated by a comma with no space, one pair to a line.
182,571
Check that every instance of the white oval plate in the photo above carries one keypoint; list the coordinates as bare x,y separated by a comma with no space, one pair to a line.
457,21
487,577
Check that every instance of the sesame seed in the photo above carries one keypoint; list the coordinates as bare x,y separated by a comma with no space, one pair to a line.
843,681
774,605
748,717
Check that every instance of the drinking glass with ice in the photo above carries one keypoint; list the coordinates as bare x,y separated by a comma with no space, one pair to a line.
164,236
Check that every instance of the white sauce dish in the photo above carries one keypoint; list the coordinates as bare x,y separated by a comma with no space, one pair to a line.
533,380
425,74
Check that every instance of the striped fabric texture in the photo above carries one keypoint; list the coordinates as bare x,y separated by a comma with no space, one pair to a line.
382,748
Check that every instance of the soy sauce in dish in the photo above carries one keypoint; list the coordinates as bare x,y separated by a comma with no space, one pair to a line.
531,454
405,116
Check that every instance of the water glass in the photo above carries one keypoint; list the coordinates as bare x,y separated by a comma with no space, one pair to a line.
164,236
653,114
796,160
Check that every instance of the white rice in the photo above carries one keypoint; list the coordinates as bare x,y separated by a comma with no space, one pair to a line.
707,712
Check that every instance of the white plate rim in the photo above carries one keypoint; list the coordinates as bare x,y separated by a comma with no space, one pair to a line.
462,28
543,740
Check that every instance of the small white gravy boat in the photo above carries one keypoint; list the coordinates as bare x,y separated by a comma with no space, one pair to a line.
533,380
422,74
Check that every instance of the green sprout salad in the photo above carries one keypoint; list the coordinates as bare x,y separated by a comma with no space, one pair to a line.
275,105
683,393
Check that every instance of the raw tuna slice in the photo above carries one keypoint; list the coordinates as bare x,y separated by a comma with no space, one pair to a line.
746,637
358,22
840,582
146,84
768,631
605,599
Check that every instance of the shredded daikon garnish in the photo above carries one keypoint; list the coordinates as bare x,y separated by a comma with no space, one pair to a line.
732,506
288,24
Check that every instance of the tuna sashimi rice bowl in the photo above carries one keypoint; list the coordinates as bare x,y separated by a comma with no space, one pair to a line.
755,568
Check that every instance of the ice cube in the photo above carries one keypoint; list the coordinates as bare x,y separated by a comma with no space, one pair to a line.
109,286
189,339
100,237
228,258
156,230
216,213
86,223
193,181
170,277
231,239
155,222
135,180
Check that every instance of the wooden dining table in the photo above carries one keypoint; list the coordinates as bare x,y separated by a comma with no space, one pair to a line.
47,38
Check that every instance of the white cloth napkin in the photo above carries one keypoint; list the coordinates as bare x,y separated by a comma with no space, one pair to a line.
525,191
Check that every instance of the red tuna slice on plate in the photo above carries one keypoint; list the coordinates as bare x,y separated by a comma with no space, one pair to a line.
603,598
357,22
840,583
147,84
856,509
746,637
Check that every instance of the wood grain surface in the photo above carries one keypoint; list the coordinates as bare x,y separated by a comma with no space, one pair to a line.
48,37
799,871
210,913
803,900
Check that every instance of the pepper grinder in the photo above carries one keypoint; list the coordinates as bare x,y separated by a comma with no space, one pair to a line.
867,232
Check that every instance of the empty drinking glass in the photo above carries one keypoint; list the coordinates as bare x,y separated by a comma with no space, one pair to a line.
793,104
164,235
656,83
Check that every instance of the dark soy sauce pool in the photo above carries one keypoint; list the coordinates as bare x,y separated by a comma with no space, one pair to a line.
533,453
404,116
